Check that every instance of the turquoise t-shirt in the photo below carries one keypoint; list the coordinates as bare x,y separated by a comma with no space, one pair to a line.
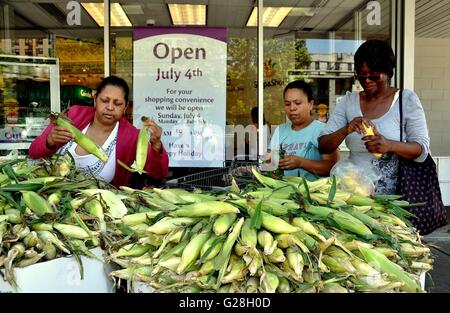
302,143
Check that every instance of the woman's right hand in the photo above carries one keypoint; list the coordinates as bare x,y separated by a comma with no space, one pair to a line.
59,135
356,125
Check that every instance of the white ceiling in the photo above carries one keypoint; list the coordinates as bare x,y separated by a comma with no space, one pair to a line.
35,17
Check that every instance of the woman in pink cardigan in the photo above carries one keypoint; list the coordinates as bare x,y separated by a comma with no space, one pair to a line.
107,127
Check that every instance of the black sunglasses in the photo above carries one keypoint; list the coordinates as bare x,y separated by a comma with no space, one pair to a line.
373,77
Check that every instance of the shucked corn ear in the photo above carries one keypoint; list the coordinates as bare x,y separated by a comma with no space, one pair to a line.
36,203
368,131
81,139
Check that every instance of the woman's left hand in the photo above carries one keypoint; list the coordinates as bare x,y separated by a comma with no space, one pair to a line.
156,132
377,143
290,162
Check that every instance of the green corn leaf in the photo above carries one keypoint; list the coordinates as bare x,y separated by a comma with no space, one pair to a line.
9,171
256,219
213,244
305,183
384,198
332,192
10,199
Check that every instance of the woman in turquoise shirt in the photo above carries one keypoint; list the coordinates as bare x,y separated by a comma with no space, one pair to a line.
299,137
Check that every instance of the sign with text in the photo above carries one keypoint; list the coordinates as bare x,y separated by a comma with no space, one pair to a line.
180,82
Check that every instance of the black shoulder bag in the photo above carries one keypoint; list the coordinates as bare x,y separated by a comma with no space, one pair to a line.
419,183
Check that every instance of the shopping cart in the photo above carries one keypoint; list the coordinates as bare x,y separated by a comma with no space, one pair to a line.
218,179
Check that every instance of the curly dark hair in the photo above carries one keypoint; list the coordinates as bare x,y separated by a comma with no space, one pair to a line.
378,55
114,81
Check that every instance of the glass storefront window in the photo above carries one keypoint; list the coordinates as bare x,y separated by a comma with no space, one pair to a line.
317,44
27,90
43,31
316,41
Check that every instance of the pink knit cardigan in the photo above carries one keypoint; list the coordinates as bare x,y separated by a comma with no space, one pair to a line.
157,163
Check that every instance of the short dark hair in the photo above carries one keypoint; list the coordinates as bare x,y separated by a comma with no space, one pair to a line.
378,55
302,85
255,116
114,81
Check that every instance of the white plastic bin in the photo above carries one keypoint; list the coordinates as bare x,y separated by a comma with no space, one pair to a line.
62,275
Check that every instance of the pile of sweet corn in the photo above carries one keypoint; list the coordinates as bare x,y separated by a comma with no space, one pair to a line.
273,236
48,210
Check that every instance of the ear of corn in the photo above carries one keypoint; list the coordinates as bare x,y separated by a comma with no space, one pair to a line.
168,224
379,261
277,256
207,208
237,272
45,236
139,218
360,201
333,288
368,131
307,227
95,208
221,261
211,248
344,220
14,216
269,282
81,139
284,286
36,203
71,231
267,181
277,225
116,208
49,250
249,235
131,250
42,226
31,240
142,149
171,263
170,195
192,250
267,242
176,250
223,223
54,198
314,185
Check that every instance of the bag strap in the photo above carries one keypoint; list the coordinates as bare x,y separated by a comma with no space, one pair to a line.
401,114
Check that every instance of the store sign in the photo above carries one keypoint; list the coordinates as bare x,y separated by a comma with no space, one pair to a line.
180,82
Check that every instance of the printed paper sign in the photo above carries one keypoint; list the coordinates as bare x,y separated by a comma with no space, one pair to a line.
180,82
